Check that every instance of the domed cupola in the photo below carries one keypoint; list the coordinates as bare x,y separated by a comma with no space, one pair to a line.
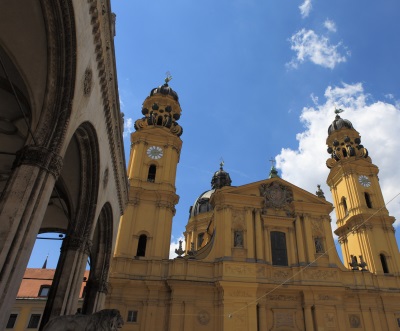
343,141
221,178
339,123
165,89
202,204
161,109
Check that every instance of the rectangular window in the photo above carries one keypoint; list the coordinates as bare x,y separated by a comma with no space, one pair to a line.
11,321
44,291
34,321
132,316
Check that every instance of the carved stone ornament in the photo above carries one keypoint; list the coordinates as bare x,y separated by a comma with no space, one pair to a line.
87,81
104,287
330,320
40,157
276,196
281,297
355,321
103,320
79,244
105,178
203,317
240,294
321,274
284,319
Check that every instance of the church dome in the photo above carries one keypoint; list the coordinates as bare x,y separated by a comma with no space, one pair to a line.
165,90
221,178
202,204
338,124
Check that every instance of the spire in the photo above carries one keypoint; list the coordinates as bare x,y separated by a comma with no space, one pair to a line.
273,172
45,262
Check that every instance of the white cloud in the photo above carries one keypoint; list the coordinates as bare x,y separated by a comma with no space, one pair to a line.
378,124
310,46
330,25
128,126
305,8
175,245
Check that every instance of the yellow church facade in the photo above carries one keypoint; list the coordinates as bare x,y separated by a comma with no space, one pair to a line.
260,256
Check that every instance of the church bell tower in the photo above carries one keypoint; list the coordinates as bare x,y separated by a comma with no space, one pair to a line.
145,227
364,227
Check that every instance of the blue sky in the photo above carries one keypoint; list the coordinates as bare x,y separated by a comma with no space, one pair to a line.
260,79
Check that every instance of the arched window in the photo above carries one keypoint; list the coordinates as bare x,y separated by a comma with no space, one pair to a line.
141,249
368,200
344,203
151,177
278,248
344,152
384,263
159,120
200,239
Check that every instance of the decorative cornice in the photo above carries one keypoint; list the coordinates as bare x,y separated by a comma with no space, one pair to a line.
104,52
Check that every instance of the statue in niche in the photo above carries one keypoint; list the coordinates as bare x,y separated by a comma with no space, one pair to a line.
319,248
354,321
238,238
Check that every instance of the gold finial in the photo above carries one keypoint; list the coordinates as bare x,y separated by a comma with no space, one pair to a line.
168,78
221,163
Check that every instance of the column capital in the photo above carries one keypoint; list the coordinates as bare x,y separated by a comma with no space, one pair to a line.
41,157
80,244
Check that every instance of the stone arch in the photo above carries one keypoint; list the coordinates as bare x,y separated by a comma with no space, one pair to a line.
82,157
100,256
383,257
142,243
33,167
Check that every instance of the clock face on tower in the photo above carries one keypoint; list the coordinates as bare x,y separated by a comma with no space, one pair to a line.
364,181
155,152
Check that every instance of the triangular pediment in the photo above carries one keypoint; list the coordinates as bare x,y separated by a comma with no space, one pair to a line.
256,190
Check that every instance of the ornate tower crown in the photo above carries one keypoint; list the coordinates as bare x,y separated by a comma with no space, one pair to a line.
343,141
221,178
161,109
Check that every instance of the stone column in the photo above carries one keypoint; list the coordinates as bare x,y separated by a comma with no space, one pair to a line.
267,241
299,240
96,290
22,208
308,318
262,316
151,315
259,237
227,217
375,319
188,323
309,239
64,292
329,241
341,317
292,247
176,316
249,233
